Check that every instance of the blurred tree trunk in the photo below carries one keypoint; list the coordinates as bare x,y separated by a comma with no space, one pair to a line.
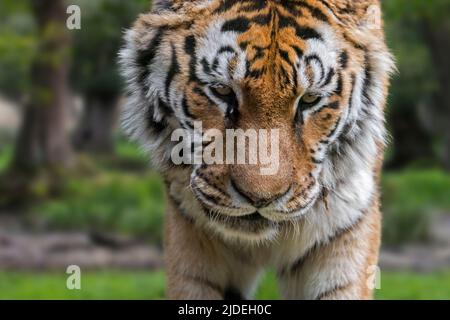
42,141
412,142
95,133
437,36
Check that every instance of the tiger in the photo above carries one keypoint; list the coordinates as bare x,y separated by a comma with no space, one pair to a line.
316,70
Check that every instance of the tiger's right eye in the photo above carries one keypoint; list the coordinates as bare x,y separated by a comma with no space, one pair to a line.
224,91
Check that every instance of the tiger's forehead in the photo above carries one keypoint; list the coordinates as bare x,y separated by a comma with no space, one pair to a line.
284,45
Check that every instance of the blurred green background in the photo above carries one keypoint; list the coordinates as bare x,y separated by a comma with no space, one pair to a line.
73,190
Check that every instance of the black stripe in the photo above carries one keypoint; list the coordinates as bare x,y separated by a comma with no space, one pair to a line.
225,49
211,184
156,126
314,11
332,291
174,69
145,57
332,132
343,59
315,58
227,5
284,75
206,67
354,43
243,45
333,105
239,25
258,55
206,282
202,93
352,92
367,80
339,86
285,56
303,32
165,109
254,6
190,49
291,7
298,51
263,19
255,74
329,77
185,106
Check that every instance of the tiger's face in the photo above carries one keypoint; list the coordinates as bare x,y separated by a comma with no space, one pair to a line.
248,65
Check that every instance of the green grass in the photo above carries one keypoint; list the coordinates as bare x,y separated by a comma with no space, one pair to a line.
94,285
394,286
407,285
409,199
151,285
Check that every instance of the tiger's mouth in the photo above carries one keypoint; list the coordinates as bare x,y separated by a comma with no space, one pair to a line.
250,224
255,216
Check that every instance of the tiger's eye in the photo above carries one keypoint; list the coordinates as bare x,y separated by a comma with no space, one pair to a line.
310,98
223,90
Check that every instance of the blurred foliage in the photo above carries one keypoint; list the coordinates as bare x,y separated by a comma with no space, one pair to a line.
409,200
17,46
129,203
5,156
416,81
151,285
435,10
96,45
419,110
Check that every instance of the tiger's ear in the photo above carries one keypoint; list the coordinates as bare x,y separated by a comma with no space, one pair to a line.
372,18
363,15
172,14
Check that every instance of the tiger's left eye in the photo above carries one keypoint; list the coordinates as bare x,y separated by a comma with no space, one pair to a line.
226,94
310,99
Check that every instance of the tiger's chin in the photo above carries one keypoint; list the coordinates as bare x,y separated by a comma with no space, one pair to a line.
251,228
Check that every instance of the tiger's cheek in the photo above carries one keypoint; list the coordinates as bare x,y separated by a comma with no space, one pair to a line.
202,109
320,126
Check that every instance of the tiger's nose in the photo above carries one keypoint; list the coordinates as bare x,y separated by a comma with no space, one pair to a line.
255,200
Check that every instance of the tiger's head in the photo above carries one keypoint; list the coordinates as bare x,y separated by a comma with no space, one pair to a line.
315,70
